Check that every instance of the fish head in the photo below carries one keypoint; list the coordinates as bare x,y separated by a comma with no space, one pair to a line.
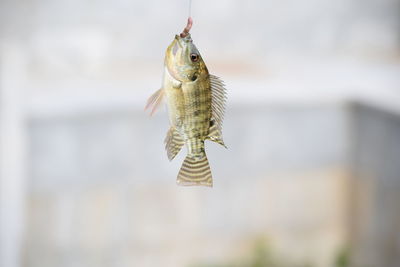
183,60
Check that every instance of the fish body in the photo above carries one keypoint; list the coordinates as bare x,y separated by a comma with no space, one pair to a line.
195,101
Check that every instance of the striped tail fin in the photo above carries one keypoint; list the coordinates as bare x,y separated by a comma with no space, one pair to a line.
195,171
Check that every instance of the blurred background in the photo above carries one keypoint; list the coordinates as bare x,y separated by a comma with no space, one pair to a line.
312,174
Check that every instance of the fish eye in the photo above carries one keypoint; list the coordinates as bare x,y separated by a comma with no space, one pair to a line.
194,57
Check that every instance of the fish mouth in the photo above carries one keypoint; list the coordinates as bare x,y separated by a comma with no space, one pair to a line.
176,44
175,47
181,40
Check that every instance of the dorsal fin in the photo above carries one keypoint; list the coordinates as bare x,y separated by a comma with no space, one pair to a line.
218,98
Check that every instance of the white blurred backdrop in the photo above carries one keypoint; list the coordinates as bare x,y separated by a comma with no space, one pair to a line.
311,176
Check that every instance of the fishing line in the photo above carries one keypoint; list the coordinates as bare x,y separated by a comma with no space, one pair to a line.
190,8
186,30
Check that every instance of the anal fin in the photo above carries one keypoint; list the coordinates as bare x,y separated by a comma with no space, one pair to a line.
173,143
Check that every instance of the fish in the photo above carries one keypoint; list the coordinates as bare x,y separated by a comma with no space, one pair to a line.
196,106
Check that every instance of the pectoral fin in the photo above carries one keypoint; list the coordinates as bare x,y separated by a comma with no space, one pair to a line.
173,143
155,101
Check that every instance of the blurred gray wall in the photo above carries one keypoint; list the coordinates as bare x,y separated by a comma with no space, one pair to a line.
375,220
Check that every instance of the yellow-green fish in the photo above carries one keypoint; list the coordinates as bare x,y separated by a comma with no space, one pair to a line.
196,104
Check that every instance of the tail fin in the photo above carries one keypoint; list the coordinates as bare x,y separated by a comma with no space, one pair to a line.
195,171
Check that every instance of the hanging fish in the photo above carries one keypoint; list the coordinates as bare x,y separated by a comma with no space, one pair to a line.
196,104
